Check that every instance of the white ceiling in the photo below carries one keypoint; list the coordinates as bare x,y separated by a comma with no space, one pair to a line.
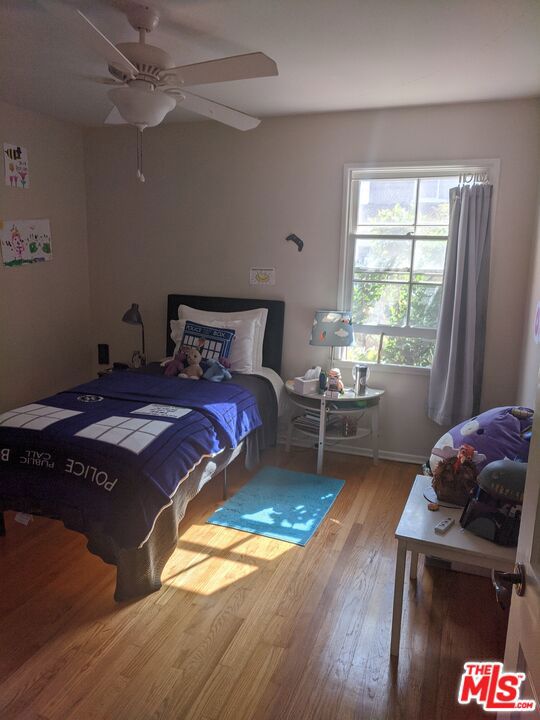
332,54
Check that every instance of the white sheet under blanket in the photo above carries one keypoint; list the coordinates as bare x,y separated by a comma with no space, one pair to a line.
277,384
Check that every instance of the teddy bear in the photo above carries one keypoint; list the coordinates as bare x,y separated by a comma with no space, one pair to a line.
193,371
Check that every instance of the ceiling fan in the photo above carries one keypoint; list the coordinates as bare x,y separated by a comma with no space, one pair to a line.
147,83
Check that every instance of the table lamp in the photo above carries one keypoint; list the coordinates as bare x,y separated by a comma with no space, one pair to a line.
332,328
134,317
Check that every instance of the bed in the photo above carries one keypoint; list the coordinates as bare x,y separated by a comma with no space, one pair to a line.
119,458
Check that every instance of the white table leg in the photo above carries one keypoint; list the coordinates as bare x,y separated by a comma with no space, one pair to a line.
398,598
413,570
375,432
322,433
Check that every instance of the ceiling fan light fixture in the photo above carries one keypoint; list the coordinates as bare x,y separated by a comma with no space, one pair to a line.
141,106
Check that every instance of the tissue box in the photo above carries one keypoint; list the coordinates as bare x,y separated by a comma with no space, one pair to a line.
305,387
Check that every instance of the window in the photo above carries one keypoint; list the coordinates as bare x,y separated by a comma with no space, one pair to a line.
396,231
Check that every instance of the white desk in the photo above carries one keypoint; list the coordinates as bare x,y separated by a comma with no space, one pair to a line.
415,532
346,404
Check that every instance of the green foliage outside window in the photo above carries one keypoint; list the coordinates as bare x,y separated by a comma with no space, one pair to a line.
387,303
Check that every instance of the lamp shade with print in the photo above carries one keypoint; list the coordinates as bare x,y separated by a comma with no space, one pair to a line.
332,328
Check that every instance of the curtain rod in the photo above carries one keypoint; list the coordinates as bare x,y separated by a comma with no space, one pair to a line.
471,178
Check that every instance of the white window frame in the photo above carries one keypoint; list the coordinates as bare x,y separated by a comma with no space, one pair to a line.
351,171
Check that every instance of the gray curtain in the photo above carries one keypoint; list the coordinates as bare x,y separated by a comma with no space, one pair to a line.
456,374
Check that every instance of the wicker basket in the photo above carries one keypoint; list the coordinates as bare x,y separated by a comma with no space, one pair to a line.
453,480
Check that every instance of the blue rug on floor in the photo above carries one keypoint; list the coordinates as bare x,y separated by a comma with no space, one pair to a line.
280,504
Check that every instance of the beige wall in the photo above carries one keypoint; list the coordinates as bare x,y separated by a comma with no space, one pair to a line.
217,201
44,308
531,349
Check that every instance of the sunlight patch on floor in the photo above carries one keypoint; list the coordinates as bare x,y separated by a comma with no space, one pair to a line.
210,575
212,539
182,558
263,548
222,556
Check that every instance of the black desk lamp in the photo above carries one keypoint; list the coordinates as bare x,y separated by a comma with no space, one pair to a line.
134,317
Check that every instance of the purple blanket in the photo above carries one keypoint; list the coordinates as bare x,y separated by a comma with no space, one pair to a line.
113,451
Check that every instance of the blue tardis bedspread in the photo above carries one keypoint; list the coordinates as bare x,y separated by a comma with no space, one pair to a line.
113,451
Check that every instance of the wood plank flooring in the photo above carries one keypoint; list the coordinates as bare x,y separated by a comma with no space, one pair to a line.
245,627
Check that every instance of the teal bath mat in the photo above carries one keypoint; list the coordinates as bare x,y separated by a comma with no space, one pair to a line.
280,504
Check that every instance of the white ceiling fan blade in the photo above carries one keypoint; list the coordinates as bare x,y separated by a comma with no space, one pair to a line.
216,111
75,20
100,80
236,67
114,118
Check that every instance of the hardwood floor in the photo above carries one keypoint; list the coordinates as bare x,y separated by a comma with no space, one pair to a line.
245,627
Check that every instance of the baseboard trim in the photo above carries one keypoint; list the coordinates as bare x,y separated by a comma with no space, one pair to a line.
349,449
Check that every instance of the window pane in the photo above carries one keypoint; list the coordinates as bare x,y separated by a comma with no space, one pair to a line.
407,351
386,225
425,306
395,350
432,231
383,256
429,260
390,276
386,202
433,200
380,303
386,230
366,348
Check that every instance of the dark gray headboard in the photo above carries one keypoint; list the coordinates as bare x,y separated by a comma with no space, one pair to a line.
273,336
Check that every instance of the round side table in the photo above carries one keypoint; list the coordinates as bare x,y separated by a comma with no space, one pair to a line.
316,411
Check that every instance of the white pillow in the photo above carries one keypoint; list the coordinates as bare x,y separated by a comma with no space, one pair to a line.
177,333
241,357
257,318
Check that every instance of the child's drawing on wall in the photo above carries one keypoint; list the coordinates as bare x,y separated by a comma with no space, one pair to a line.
16,166
25,242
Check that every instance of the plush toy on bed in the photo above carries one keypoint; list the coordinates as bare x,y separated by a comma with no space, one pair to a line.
193,371
214,370
174,366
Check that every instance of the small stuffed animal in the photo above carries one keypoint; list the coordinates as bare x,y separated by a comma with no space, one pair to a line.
216,371
193,371
335,382
176,365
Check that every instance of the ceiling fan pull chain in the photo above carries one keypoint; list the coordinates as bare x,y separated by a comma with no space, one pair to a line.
138,163
140,175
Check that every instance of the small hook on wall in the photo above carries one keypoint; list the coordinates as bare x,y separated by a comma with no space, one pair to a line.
295,239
